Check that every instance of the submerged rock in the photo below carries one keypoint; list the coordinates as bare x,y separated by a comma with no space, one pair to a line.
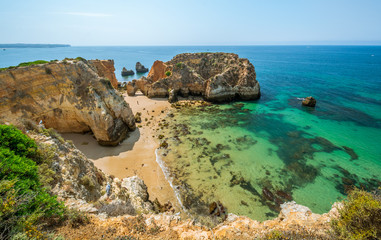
218,77
309,102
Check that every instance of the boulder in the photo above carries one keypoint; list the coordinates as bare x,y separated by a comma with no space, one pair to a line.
131,88
172,96
309,102
140,68
126,72
137,192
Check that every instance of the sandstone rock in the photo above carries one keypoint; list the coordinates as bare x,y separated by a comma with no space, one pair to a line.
72,98
309,102
105,69
172,96
137,192
131,88
75,176
126,72
218,77
140,68
157,71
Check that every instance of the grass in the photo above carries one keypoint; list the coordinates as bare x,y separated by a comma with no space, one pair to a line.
25,64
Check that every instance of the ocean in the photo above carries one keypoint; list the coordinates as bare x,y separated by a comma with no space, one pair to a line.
254,155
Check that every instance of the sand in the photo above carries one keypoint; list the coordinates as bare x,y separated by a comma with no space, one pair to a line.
136,154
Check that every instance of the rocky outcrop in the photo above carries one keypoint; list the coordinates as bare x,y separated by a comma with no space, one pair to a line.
75,179
140,68
72,175
105,69
157,71
218,77
309,102
69,96
126,72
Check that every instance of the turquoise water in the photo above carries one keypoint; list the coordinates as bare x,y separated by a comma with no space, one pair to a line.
254,155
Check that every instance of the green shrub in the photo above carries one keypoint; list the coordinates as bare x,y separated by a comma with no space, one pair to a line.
23,201
168,73
180,65
15,140
80,59
24,64
360,217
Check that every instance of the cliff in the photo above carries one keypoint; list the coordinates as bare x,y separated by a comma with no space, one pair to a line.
105,69
218,77
69,96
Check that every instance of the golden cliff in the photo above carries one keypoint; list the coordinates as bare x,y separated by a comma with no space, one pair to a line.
69,96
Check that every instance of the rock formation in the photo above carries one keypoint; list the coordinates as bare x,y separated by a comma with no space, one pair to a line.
309,102
218,77
126,72
105,69
80,184
140,68
69,96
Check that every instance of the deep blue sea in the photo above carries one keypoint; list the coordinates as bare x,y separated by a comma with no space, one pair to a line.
274,144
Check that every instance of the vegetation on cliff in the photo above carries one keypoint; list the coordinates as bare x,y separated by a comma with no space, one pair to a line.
24,202
25,64
360,216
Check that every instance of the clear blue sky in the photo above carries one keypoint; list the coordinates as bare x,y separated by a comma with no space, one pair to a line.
191,22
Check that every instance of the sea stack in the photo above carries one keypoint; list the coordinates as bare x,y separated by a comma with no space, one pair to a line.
126,72
140,68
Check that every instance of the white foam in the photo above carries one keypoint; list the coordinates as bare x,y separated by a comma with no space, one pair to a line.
167,175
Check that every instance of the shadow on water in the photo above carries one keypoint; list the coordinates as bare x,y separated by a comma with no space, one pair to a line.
87,144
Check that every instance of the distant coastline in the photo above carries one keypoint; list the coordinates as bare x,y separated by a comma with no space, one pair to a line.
28,45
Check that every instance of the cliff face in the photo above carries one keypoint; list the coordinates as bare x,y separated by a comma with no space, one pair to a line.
67,96
217,77
105,69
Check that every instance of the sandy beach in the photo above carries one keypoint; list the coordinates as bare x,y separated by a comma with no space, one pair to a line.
136,154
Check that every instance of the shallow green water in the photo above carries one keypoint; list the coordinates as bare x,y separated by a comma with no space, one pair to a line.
231,153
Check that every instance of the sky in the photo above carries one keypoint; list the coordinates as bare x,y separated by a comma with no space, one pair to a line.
190,22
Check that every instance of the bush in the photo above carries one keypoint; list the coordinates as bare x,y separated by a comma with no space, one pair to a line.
179,65
13,139
360,217
74,218
23,200
168,73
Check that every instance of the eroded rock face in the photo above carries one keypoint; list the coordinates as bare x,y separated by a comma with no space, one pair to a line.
67,96
74,175
106,69
218,77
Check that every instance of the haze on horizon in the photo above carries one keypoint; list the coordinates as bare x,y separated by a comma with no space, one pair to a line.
169,22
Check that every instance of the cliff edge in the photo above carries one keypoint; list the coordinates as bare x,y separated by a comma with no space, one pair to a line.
69,96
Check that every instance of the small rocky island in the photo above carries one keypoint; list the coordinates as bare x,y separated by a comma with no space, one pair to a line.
140,68
126,72
217,77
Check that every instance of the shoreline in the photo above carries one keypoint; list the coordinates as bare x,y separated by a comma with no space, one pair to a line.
136,155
